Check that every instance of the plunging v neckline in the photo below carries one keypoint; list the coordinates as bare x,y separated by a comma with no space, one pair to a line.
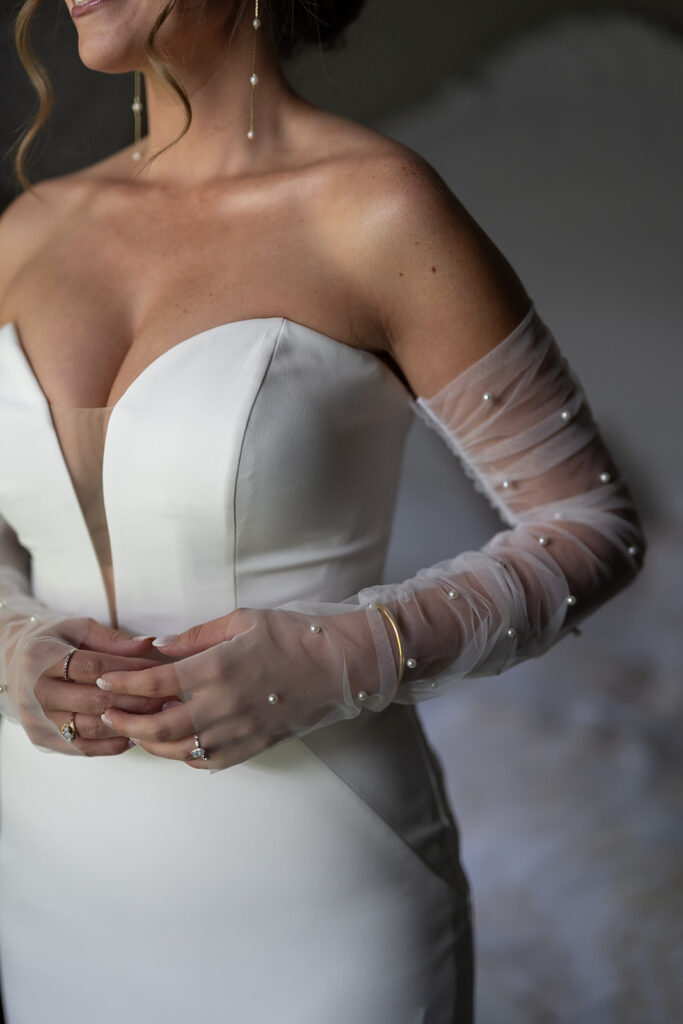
363,353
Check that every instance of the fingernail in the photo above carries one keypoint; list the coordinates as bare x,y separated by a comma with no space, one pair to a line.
170,704
103,684
161,641
106,720
133,743
150,636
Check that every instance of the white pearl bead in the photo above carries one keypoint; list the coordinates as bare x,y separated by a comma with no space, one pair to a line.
633,550
273,698
136,154
314,627
511,631
136,105
250,133
256,23
542,541
565,415
605,478
557,515
254,79
571,599
2,688
505,485
453,595
410,663
487,396
33,618
371,604
362,695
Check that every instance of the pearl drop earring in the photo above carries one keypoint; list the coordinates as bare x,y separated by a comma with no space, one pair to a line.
254,77
137,115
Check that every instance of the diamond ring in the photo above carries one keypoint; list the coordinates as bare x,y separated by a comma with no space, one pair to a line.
65,670
198,750
68,730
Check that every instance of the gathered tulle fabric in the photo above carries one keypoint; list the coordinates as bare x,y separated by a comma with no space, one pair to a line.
519,422
521,425
33,639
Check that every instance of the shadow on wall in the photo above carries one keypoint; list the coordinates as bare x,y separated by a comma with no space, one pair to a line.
566,773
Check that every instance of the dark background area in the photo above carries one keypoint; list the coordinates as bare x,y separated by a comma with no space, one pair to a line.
398,53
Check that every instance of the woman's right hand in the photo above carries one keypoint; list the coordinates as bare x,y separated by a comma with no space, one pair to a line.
44,701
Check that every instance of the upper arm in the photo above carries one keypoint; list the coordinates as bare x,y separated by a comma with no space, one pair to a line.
444,293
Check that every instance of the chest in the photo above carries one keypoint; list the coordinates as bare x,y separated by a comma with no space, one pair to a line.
119,284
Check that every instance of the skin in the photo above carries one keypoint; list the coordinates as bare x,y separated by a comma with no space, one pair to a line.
318,219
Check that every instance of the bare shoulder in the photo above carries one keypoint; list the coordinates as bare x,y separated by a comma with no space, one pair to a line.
439,286
32,217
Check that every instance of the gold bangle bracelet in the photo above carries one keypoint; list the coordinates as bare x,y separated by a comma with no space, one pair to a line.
394,625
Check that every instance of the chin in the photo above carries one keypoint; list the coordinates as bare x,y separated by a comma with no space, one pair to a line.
100,53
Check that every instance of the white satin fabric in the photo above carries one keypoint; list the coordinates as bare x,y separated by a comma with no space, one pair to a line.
253,464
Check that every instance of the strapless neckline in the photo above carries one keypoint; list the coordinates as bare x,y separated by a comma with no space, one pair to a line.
363,353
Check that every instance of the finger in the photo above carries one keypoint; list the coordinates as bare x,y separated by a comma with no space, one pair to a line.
162,728
206,634
88,727
99,637
102,748
222,755
178,750
55,695
159,681
86,666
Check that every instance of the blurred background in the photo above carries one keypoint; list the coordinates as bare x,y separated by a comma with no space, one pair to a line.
558,124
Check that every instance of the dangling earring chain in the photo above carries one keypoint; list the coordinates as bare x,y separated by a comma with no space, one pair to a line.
137,114
254,77
137,102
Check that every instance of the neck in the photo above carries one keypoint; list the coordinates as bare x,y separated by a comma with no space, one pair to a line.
216,79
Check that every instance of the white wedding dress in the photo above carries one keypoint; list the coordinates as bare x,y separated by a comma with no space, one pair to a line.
253,464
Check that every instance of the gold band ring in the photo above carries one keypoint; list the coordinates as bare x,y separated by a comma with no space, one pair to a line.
69,729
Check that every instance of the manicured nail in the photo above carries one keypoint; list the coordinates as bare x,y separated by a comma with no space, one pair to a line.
149,637
171,704
103,684
162,641
106,720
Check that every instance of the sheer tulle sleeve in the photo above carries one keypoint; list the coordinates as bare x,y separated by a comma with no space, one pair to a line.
519,422
32,638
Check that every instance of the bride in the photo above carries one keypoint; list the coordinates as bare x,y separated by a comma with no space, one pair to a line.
212,346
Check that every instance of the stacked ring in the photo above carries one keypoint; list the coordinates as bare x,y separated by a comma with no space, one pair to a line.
65,670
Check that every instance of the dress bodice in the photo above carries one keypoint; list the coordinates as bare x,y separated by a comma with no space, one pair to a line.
254,463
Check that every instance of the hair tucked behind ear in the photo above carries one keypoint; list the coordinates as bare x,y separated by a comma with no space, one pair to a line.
294,24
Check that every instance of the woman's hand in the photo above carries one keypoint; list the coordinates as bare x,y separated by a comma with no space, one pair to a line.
245,682
45,701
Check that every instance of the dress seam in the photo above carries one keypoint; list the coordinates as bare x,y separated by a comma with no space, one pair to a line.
238,466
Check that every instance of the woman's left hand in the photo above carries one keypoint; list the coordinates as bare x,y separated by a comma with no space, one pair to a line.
247,681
